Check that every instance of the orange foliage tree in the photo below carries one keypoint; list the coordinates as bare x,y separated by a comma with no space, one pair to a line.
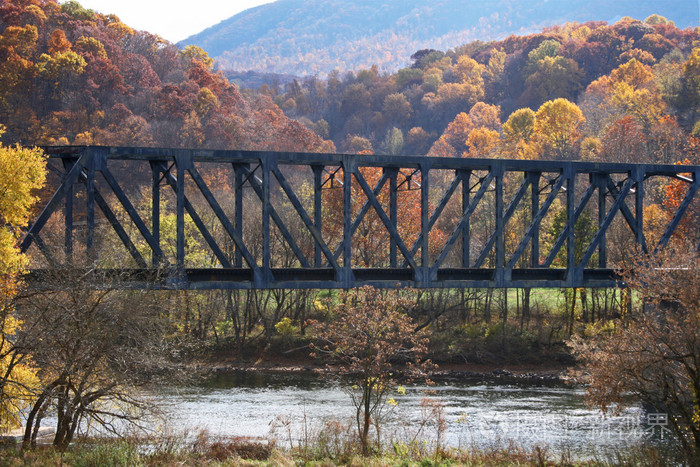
674,194
652,356
370,246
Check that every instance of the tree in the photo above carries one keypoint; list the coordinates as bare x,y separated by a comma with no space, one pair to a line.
355,144
94,346
667,141
452,98
556,128
547,49
453,141
691,79
485,115
455,97
518,131
393,142
17,45
520,125
22,172
371,240
418,141
657,19
548,75
653,355
673,195
18,379
482,143
58,42
624,141
397,109
370,335
553,77
192,53
633,91
469,72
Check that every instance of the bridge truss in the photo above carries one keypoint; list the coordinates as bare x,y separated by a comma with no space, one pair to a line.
205,219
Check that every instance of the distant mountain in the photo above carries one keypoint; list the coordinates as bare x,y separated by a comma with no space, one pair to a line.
306,37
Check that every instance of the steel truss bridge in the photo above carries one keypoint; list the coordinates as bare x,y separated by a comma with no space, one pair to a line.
262,219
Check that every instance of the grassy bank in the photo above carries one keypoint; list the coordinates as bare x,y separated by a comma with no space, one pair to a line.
239,452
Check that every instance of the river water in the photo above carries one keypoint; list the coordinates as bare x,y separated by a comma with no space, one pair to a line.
477,413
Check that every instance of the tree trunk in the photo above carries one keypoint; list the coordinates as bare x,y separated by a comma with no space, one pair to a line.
504,317
584,305
367,420
572,312
525,315
34,418
487,305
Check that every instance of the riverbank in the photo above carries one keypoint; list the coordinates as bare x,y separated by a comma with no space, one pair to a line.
552,372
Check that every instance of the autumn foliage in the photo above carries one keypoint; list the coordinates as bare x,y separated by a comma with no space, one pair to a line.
69,75
22,172
585,84
652,356
369,335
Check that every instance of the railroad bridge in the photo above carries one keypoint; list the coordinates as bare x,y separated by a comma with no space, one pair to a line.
218,219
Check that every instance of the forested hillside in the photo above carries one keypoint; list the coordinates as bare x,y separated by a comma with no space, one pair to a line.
624,91
71,76
316,36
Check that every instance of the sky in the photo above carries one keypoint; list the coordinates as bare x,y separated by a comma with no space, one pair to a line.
173,20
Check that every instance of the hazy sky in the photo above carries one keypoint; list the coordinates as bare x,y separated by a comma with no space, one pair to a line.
171,19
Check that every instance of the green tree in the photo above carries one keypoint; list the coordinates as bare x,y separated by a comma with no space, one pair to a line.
393,142
520,125
547,49
552,77
193,53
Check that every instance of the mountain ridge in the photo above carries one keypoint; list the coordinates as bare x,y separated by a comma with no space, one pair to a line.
317,36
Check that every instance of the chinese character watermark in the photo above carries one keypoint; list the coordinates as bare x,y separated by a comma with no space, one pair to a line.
657,423
628,428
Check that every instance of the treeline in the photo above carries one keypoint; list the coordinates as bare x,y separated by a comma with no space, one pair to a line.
69,75
632,92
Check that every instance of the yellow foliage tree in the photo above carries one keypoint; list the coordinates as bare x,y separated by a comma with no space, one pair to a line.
517,135
469,71
556,128
482,143
22,171
691,73
191,53
634,92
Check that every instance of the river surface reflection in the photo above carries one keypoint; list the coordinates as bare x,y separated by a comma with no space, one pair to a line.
483,414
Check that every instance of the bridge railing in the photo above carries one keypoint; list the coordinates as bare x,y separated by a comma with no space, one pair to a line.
201,219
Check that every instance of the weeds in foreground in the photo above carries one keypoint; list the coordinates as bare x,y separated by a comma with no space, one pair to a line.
214,452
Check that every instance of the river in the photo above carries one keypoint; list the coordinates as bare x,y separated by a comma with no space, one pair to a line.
477,413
